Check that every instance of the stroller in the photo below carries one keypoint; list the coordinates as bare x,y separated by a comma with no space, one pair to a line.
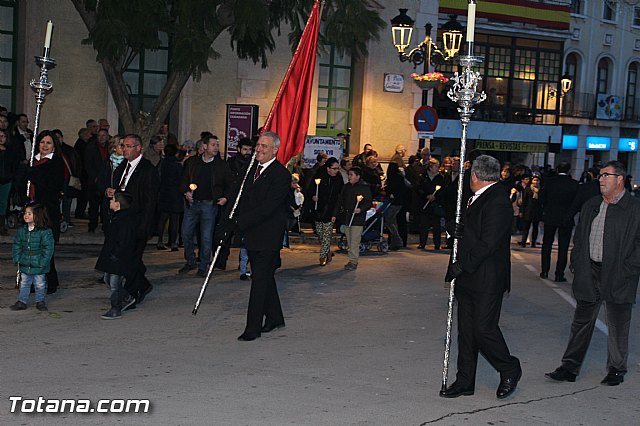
373,233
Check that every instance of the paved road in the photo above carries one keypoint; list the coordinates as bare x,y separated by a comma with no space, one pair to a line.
360,348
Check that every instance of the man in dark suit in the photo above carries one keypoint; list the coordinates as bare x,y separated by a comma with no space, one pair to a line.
556,197
262,218
483,273
138,177
606,267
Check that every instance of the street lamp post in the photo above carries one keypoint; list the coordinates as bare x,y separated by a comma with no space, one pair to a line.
427,51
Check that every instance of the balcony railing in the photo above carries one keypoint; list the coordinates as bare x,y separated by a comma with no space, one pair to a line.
578,105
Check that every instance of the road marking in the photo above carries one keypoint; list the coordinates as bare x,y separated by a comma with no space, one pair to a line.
517,256
568,298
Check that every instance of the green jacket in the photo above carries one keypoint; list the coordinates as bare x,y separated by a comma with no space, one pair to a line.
33,250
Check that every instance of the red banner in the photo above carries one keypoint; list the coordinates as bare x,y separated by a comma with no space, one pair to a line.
289,115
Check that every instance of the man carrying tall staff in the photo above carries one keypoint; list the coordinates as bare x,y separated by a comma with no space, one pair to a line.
262,219
483,274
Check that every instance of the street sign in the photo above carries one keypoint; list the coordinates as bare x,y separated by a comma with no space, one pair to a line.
425,119
425,135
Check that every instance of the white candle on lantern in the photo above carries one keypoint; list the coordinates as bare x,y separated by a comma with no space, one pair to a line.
471,20
47,38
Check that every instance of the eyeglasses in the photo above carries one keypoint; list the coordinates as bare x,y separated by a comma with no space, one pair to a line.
604,175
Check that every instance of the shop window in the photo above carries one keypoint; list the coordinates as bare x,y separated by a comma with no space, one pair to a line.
8,30
335,93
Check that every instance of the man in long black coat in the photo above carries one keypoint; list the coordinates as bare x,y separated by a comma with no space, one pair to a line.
262,218
483,274
556,197
138,177
606,267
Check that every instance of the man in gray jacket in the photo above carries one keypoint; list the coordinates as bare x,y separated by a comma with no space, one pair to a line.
606,267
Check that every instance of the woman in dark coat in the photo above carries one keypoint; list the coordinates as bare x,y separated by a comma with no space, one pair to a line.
47,182
398,192
531,210
8,166
430,207
328,191
170,198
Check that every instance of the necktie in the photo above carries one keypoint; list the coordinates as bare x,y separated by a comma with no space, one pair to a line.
123,180
470,201
258,170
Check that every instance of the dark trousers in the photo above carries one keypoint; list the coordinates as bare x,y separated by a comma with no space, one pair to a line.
174,227
137,284
433,221
564,238
401,218
479,332
95,201
618,317
534,231
264,301
81,201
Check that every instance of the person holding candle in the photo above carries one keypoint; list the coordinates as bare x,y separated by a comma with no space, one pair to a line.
206,186
329,186
430,209
353,203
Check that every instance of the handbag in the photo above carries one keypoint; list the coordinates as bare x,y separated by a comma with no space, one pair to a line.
74,182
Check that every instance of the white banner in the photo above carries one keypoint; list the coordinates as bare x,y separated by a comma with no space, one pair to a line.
315,145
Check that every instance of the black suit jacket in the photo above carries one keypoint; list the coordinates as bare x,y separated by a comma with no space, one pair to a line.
262,212
143,186
556,197
484,250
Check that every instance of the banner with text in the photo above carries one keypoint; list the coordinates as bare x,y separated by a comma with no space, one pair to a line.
314,145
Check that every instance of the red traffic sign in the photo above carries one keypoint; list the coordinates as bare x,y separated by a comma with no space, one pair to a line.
426,119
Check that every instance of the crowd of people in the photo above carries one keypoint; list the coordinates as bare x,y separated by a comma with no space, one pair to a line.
137,191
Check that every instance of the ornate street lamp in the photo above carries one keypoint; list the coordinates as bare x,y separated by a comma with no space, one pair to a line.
565,86
425,52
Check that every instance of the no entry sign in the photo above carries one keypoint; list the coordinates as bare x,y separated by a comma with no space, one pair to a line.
425,119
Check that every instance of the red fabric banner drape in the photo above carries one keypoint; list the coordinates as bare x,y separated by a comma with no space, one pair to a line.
289,115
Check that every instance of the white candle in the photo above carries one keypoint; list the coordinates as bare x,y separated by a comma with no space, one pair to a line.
471,20
47,38
358,199
317,187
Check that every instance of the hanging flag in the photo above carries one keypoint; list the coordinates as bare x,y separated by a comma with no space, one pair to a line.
289,115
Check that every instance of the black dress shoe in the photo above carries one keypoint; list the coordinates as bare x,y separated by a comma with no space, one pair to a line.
614,378
455,391
270,327
544,275
561,374
247,337
560,279
508,386
143,294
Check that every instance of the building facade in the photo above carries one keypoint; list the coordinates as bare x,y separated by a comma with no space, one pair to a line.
348,94
601,115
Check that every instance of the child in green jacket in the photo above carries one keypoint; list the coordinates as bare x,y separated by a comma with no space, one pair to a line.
32,251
